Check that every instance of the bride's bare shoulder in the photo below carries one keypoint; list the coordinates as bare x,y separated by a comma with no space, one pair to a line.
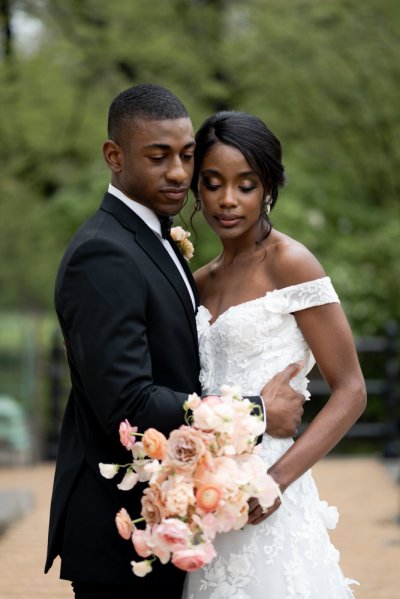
291,262
203,275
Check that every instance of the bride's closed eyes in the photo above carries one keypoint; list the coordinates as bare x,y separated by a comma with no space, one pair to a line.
244,188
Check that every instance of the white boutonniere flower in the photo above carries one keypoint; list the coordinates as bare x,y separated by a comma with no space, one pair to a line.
181,238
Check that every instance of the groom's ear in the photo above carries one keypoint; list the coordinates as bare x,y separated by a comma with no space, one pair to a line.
112,153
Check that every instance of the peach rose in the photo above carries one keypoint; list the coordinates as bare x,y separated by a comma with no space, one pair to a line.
152,507
154,443
187,249
124,523
127,434
178,233
184,449
195,558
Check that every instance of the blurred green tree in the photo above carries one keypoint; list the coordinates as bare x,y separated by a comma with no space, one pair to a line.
324,76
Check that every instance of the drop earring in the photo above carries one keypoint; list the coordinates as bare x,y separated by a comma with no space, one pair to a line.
266,209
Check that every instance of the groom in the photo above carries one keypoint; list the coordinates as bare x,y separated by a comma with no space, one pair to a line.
126,303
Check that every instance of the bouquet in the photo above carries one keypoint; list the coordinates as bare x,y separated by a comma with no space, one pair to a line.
199,480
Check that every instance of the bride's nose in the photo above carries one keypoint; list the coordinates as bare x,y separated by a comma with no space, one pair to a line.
228,199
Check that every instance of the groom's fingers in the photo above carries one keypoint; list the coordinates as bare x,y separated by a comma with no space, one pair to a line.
292,370
284,405
257,514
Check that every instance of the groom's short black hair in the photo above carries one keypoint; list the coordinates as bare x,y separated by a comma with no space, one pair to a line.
148,101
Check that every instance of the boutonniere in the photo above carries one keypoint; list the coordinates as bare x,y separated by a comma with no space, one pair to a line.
181,238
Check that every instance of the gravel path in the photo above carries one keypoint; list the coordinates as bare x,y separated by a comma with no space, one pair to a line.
367,535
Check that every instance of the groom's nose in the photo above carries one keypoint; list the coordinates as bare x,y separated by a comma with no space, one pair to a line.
177,173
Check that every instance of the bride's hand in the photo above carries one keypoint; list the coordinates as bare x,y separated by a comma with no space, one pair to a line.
284,405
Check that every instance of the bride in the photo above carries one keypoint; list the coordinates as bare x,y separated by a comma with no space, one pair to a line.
266,301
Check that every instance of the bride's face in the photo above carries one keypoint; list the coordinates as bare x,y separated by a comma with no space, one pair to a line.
230,192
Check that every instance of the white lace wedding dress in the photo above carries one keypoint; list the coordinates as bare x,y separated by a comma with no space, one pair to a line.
289,555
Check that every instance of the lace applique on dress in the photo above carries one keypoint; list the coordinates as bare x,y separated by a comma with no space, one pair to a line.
289,555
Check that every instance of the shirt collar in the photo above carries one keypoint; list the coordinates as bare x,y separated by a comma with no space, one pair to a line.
143,212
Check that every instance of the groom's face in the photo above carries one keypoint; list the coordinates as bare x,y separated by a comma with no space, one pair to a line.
155,163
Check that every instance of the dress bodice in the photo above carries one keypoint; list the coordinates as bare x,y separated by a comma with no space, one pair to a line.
289,555
249,343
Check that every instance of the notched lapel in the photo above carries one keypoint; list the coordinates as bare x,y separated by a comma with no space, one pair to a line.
156,252
159,255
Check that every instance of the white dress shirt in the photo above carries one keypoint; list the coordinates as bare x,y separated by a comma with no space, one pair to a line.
151,220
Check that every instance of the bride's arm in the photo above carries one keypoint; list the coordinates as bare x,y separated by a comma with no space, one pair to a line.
327,332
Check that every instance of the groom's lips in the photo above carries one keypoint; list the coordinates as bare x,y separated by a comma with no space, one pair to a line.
175,193
228,220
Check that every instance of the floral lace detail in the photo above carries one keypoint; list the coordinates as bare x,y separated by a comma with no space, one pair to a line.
301,296
289,555
261,331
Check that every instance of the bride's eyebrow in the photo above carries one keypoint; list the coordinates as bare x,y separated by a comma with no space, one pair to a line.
214,171
211,171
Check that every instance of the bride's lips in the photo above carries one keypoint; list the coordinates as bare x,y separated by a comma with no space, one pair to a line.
175,193
228,220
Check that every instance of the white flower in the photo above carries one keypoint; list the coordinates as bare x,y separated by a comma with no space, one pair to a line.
234,391
129,481
137,451
203,318
108,470
276,302
152,469
141,568
329,514
193,401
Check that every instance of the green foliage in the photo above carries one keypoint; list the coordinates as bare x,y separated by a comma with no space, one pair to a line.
324,76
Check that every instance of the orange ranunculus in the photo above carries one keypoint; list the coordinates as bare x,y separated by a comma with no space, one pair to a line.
154,443
208,497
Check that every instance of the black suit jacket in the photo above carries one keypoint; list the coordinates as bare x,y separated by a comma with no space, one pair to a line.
129,327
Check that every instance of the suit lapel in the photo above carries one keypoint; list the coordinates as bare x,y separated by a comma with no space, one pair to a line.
187,270
156,252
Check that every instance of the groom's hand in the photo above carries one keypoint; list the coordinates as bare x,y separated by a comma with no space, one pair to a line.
256,512
284,405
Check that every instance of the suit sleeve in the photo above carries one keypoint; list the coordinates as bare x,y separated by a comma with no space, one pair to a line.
101,302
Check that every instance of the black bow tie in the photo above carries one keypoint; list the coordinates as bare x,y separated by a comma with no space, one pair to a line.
166,224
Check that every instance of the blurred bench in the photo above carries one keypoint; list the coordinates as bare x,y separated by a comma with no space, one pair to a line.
15,443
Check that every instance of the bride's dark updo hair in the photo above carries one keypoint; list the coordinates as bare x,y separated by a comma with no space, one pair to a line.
247,133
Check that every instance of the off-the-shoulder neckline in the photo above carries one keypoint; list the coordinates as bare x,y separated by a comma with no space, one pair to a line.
261,297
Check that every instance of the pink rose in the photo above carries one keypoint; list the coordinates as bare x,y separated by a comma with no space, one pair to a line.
195,558
124,523
140,540
127,434
207,524
172,533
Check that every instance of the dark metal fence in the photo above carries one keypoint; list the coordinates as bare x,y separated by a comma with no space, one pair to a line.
379,358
